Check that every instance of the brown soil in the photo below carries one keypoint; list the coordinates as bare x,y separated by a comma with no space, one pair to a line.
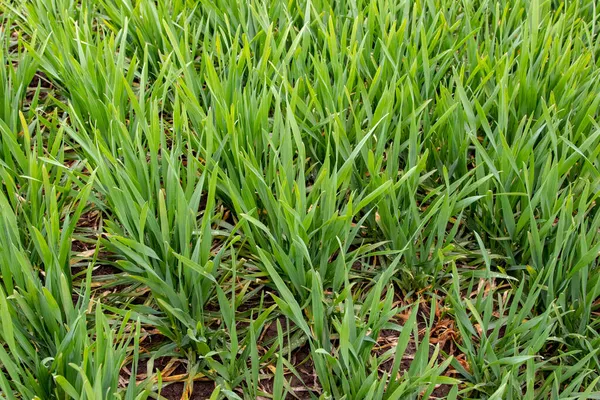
201,390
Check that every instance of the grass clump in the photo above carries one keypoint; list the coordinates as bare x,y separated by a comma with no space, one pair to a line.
304,199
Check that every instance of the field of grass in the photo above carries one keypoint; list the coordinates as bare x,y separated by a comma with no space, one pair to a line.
299,199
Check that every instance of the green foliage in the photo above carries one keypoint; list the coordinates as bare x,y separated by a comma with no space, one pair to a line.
280,186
